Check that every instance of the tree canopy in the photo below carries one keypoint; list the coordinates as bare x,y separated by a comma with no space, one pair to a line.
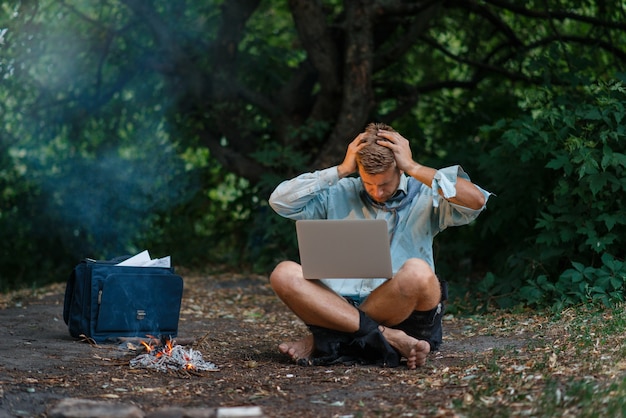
167,123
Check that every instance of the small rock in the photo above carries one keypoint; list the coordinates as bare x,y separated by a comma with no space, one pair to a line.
226,412
84,408
177,412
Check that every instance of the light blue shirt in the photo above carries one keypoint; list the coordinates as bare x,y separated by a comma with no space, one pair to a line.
322,195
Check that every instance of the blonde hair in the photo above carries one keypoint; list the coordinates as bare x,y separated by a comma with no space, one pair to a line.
375,158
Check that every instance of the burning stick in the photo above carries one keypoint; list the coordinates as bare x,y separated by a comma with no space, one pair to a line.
136,341
171,357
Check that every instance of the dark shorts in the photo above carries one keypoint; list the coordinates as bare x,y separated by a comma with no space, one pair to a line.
423,325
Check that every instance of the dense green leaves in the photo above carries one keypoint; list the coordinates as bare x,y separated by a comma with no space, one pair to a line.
165,125
578,197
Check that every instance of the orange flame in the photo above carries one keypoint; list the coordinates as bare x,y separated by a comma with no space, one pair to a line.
166,350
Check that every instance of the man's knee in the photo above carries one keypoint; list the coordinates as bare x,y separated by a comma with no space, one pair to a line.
418,272
418,279
284,275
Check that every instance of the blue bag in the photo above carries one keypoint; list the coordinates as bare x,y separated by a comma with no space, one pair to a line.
104,301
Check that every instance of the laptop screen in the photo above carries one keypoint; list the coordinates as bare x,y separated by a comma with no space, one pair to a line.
343,249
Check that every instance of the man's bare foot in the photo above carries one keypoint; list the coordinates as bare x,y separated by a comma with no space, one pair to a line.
298,350
415,351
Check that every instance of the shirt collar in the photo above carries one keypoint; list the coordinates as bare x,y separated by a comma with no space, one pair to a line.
402,189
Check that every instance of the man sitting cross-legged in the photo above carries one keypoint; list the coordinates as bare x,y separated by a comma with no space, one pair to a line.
375,320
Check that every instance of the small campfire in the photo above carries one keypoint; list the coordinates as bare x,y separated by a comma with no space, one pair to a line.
165,355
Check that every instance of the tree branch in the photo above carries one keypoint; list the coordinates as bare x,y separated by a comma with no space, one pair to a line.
489,16
323,54
555,14
417,26
358,96
224,51
403,8
228,157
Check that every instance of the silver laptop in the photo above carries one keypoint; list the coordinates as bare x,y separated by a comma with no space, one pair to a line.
344,249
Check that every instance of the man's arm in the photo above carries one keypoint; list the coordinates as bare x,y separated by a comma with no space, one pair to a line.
467,194
291,198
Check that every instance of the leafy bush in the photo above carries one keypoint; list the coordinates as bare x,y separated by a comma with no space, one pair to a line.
558,221
581,283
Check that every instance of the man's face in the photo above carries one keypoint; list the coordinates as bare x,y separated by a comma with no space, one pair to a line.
381,187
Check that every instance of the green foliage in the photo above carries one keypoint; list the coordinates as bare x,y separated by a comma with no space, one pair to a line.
604,284
87,170
231,222
166,124
275,236
561,170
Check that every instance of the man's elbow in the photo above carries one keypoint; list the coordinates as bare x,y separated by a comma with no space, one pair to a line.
480,203
479,200
474,198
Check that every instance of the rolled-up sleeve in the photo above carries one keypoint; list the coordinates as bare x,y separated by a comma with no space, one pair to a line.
445,180
450,214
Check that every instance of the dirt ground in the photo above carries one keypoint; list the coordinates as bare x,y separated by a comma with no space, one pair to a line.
236,323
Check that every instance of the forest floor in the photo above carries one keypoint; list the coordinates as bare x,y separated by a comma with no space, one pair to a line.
499,364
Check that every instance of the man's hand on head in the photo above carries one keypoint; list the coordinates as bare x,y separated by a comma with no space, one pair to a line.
349,166
401,149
